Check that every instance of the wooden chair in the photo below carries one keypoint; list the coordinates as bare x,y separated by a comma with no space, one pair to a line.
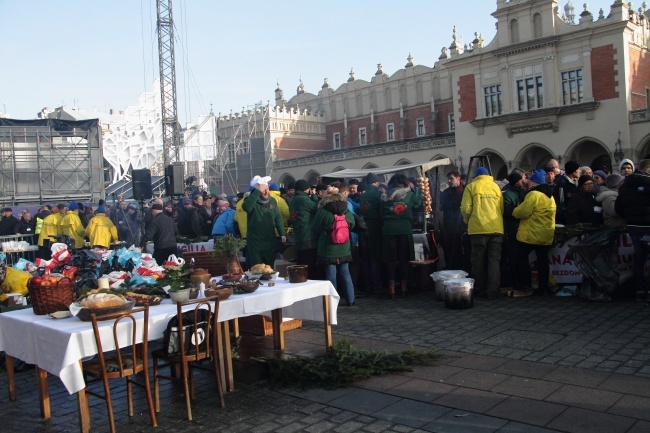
200,326
126,361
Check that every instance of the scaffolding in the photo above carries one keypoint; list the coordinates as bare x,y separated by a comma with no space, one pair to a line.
244,149
44,161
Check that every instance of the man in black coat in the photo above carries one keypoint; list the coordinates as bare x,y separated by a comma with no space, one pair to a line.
189,221
583,207
633,204
162,232
566,186
8,223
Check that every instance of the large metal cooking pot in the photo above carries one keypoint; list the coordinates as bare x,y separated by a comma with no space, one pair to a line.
440,277
458,293
297,273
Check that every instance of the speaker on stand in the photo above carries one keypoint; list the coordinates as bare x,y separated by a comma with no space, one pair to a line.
141,180
174,180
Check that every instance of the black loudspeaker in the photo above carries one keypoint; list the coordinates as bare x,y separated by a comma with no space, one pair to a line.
141,184
174,178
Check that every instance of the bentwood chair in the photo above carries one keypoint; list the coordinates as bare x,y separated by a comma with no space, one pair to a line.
186,346
126,361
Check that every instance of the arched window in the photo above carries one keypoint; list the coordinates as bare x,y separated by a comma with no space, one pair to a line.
419,95
514,31
389,98
537,25
403,95
359,105
436,88
373,100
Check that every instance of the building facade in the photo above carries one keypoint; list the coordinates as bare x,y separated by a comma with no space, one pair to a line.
553,83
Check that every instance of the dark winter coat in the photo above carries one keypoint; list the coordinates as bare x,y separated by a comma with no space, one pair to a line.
397,211
581,209
26,228
9,226
450,206
302,210
328,251
564,190
633,201
513,196
162,232
189,223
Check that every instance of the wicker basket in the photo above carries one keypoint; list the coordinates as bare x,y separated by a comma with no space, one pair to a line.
204,259
49,299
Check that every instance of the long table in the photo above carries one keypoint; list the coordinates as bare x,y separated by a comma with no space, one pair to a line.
57,346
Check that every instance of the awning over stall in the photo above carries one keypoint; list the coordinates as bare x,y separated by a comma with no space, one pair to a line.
359,172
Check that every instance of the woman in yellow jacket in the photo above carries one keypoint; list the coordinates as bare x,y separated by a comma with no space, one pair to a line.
536,230
101,230
274,190
51,227
71,225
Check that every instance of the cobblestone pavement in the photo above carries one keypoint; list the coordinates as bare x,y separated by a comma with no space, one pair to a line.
530,365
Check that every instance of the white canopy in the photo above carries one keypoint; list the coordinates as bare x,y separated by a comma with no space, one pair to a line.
358,172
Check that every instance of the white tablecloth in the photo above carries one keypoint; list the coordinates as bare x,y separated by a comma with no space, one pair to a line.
57,345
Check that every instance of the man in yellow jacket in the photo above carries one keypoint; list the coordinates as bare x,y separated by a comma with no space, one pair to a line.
71,225
274,191
536,230
101,230
51,227
482,211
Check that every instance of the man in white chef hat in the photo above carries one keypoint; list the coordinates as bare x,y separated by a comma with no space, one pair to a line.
265,227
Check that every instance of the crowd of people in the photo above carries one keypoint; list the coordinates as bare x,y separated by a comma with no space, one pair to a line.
498,227
486,225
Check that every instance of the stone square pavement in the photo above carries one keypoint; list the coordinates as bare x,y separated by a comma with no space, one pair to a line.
510,365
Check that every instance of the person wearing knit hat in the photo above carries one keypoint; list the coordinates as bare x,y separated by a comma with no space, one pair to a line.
274,187
372,178
606,198
538,177
72,226
599,175
481,171
566,186
482,210
224,224
302,185
626,167
265,221
513,195
536,232
101,230
583,207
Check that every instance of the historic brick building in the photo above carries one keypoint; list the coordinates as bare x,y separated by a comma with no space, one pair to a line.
553,83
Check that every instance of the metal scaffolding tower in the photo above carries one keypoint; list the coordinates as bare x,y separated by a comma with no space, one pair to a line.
167,63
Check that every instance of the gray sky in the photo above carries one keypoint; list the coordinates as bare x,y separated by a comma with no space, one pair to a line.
103,54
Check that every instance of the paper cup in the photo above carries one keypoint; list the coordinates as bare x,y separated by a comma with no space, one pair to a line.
104,283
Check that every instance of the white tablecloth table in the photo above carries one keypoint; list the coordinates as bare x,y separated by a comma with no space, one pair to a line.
57,345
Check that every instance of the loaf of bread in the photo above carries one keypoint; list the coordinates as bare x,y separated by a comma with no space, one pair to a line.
101,300
261,269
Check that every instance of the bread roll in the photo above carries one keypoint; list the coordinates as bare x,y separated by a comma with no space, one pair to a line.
101,300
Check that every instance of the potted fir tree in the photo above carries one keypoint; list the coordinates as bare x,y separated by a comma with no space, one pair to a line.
226,248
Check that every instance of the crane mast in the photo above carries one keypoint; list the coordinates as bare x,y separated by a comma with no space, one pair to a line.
167,63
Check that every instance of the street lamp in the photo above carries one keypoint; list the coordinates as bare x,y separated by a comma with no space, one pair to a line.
618,150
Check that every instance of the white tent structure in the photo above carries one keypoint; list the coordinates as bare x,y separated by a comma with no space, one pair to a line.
362,172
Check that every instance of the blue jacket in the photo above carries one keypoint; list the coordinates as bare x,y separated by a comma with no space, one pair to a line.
225,224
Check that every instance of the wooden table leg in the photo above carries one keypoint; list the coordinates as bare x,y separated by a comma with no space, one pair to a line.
43,393
235,327
327,322
278,333
9,361
84,413
226,371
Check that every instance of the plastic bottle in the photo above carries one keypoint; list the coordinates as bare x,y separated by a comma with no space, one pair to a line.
201,290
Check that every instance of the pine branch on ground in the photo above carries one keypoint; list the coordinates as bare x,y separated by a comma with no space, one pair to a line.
343,364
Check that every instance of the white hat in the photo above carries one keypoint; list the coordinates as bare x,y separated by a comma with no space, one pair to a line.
257,180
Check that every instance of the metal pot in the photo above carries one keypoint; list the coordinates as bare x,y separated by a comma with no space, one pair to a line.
297,273
458,293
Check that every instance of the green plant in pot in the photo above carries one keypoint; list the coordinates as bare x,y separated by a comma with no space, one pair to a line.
227,247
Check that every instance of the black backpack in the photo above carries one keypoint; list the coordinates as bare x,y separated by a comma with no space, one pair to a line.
171,341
